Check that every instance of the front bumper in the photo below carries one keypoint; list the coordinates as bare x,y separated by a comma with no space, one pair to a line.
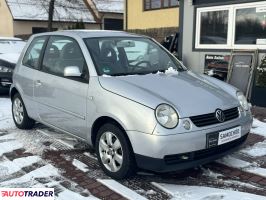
5,81
196,158
155,152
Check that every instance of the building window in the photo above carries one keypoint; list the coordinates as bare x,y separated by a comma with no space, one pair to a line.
250,26
214,27
160,4
231,26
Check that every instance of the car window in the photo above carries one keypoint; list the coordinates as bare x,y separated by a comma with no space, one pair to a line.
118,56
62,52
32,56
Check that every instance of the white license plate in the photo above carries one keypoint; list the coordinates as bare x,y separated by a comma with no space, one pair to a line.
229,135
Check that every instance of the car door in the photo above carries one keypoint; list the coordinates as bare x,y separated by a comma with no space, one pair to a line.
27,71
62,100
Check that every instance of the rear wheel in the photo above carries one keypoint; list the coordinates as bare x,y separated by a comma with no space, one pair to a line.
114,152
19,113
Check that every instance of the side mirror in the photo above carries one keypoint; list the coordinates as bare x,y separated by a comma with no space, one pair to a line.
72,71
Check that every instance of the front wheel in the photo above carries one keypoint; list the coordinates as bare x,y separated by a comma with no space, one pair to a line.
114,152
19,113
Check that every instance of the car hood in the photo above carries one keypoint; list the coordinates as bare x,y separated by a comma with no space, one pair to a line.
189,93
10,57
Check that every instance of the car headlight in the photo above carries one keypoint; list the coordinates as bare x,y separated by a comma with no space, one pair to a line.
5,69
166,116
243,101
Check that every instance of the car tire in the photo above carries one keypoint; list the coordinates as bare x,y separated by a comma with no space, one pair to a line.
110,155
20,115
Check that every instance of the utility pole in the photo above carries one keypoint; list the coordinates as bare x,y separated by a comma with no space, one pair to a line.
51,15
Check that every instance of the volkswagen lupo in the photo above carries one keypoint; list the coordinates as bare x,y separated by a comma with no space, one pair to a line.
129,98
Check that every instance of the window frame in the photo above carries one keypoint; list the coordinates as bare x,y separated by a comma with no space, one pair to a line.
41,52
231,26
79,79
160,8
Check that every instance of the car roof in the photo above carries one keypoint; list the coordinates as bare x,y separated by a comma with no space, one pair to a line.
91,33
10,38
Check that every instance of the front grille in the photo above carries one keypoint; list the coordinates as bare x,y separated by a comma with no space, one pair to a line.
205,153
210,119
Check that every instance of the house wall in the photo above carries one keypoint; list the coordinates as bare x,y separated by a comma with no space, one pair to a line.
6,20
137,18
25,27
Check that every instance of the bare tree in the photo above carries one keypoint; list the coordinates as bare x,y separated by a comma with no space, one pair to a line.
51,15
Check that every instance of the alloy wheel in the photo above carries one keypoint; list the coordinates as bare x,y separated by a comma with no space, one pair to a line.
18,110
111,152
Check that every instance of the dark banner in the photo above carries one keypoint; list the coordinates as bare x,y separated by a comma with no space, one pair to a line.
217,63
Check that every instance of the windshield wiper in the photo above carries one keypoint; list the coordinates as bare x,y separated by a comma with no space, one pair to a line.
130,73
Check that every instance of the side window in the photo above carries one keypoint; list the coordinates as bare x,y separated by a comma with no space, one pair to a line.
62,52
31,58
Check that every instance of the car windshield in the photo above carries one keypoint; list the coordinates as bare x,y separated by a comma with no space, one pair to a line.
129,56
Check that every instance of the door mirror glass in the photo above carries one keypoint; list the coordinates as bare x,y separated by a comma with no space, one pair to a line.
72,71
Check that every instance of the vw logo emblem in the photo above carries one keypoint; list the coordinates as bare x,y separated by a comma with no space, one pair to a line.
219,114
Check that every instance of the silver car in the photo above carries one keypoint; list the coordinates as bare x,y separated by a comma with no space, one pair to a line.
129,98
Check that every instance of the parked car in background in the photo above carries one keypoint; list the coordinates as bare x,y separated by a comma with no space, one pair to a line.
10,49
144,110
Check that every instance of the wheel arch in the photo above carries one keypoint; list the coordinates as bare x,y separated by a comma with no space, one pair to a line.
12,92
99,122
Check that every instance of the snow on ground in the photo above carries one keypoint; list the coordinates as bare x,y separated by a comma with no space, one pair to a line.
234,162
243,165
67,194
256,150
259,128
6,120
10,167
10,146
204,193
29,179
219,178
80,165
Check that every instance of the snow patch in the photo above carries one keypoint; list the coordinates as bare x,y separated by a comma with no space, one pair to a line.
89,155
243,165
257,150
110,6
7,147
204,193
43,172
6,121
259,128
80,165
67,194
234,162
211,174
169,71
69,11
7,137
17,164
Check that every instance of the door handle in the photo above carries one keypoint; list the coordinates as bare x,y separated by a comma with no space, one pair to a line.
38,83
